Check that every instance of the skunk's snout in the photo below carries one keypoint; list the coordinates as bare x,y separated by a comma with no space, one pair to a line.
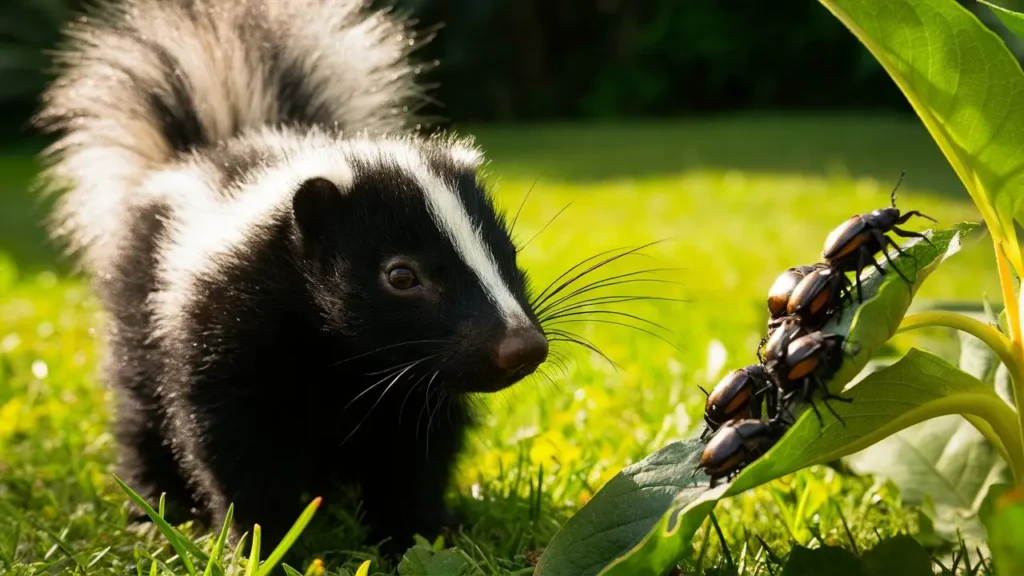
521,351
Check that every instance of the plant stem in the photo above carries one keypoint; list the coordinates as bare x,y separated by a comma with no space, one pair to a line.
992,338
986,430
994,411
1009,297
1004,250
1012,438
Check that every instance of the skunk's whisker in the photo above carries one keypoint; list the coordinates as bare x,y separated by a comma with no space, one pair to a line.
563,315
591,347
388,347
589,270
624,324
605,283
512,226
543,228
379,398
611,299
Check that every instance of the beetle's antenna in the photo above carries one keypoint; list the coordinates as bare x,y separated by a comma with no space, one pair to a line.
703,390
898,182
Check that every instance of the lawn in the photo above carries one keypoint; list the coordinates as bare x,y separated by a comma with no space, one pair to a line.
736,201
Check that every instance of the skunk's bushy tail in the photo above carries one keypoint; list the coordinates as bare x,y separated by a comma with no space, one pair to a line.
141,82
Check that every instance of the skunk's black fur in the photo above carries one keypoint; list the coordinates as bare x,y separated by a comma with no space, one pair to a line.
236,177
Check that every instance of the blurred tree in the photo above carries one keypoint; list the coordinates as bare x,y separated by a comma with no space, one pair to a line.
514,60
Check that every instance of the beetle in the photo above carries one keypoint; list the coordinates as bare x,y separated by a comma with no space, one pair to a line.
853,244
808,360
739,395
737,444
782,290
818,297
772,351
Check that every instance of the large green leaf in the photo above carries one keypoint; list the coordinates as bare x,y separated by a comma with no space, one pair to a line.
645,517
944,459
966,87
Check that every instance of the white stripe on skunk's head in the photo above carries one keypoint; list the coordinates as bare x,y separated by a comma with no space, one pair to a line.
413,258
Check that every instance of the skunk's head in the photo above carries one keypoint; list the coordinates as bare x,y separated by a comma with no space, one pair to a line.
415,272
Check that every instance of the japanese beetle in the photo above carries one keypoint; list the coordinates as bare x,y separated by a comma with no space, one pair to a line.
818,297
808,360
782,290
739,395
854,243
737,444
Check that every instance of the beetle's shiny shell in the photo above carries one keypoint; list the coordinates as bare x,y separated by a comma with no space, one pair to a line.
730,446
806,354
780,292
845,238
815,294
732,397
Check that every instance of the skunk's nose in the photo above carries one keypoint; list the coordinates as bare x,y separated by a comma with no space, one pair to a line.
521,351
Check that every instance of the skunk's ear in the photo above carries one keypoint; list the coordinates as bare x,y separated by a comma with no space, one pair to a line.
317,208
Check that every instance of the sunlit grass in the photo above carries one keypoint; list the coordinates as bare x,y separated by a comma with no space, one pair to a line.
548,444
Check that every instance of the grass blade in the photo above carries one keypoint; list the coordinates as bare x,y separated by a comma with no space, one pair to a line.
254,555
290,538
166,529
218,548
238,553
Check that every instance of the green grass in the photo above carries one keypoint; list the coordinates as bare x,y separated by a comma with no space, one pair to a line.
739,200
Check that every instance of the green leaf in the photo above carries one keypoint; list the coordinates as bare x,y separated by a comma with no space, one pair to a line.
423,560
645,517
900,555
1014,21
289,571
415,561
812,562
977,359
966,87
1007,526
945,458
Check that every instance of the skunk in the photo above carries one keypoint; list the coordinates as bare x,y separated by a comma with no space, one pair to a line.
302,290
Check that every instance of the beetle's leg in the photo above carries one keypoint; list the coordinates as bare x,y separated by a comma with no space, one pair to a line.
826,396
771,405
860,267
875,263
908,234
908,215
810,398
821,421
784,405
893,264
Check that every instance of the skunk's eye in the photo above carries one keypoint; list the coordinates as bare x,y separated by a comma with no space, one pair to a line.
402,278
